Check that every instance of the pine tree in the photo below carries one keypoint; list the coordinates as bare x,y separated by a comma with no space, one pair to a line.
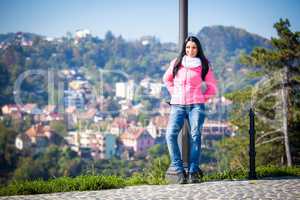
285,58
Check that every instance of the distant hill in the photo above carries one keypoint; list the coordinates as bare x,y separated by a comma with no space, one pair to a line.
146,56
9,37
230,38
223,46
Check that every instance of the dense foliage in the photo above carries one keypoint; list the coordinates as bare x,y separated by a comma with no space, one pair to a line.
279,70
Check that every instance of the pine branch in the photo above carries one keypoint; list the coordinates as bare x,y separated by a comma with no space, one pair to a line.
267,134
271,140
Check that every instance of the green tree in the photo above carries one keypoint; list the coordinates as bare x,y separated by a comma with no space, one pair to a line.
29,169
158,164
284,58
276,71
8,152
231,157
59,127
144,118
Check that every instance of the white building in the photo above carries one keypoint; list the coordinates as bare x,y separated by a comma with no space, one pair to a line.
73,98
216,130
125,89
145,82
155,89
101,145
81,33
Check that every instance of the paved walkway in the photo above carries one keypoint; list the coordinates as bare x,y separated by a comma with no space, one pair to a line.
282,189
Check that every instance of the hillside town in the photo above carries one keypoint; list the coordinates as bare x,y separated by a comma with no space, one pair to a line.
95,133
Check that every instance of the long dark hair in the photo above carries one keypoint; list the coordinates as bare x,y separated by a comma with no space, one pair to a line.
200,55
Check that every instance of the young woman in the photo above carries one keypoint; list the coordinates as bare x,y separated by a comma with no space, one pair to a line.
184,79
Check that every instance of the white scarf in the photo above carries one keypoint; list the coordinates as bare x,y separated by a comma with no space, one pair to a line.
190,62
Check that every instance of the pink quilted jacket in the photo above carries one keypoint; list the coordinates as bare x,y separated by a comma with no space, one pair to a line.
186,87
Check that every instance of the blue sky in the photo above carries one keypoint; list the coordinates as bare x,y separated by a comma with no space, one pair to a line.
135,18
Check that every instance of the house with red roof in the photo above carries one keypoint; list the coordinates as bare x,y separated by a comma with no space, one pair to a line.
158,125
137,139
12,110
37,138
119,125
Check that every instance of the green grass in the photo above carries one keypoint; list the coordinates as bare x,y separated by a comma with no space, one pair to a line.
273,171
261,172
83,183
63,184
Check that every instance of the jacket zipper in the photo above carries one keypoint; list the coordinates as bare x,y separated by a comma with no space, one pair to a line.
185,86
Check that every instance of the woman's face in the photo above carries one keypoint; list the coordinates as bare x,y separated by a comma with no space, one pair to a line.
191,49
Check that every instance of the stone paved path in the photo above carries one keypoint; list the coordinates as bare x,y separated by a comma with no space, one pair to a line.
282,189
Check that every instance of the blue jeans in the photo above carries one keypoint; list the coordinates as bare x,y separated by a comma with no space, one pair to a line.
195,114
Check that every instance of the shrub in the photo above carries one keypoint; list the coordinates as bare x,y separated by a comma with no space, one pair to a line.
261,172
274,171
136,179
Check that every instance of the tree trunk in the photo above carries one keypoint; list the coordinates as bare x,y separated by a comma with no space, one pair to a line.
284,96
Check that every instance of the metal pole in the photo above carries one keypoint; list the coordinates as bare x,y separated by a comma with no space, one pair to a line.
252,173
183,139
183,31
183,22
